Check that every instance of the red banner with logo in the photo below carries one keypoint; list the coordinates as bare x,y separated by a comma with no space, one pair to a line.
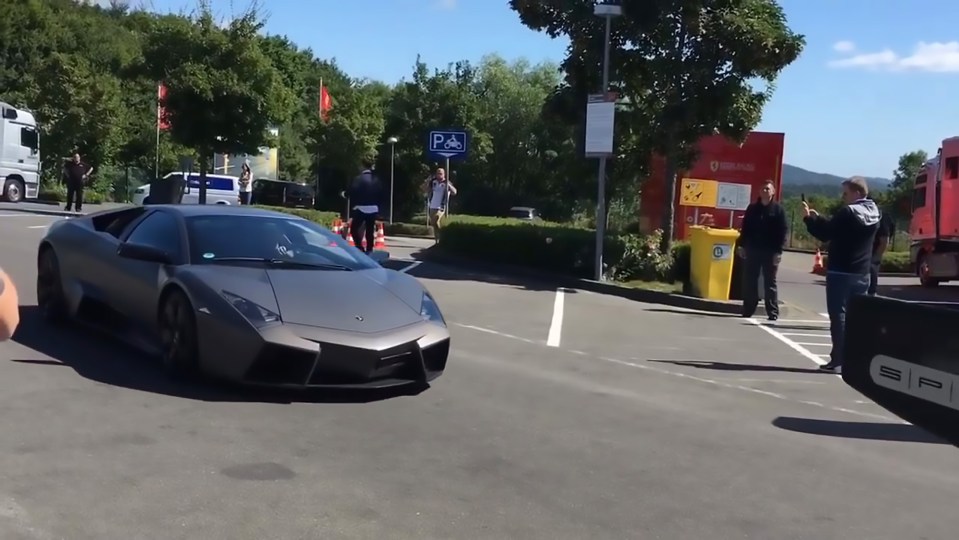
163,123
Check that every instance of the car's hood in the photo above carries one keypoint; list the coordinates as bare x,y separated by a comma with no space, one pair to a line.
366,301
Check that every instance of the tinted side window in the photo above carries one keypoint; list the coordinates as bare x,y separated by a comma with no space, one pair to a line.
29,138
224,184
159,230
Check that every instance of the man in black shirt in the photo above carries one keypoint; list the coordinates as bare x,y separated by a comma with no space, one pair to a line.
761,242
76,173
883,237
366,195
850,232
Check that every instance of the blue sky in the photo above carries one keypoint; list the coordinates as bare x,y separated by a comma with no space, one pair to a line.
878,78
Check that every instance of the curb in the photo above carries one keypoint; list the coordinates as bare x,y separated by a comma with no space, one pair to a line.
639,295
44,212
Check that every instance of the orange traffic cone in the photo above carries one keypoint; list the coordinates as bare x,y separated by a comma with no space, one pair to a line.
817,267
380,242
337,227
349,232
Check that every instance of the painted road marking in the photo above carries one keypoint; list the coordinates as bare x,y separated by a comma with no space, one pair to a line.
556,325
769,328
661,371
413,265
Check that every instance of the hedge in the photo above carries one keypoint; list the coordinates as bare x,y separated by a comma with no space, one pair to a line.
58,193
892,261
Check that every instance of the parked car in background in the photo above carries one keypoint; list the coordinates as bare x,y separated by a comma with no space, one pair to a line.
220,189
523,212
282,193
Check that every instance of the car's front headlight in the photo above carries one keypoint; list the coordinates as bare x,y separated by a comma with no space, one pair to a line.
430,311
254,312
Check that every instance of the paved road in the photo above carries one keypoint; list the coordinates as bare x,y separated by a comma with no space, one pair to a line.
563,415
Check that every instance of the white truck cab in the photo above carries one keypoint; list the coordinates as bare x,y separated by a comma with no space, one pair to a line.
19,154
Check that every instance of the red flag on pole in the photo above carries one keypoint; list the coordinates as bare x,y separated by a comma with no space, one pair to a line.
163,123
325,103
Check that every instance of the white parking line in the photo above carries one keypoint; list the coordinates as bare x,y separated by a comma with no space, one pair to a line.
556,325
806,353
826,315
411,266
38,227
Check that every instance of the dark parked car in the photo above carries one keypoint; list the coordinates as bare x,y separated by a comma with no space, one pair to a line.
282,193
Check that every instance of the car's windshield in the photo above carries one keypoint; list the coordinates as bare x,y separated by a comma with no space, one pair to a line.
245,239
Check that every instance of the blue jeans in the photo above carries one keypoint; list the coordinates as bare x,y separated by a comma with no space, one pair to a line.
840,287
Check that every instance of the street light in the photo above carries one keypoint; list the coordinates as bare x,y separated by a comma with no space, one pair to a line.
606,10
392,142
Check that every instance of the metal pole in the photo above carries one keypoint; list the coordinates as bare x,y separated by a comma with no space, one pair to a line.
601,191
392,147
449,176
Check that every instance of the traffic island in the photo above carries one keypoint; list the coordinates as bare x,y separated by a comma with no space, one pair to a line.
658,293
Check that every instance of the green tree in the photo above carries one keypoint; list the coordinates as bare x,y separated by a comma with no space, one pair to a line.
687,68
223,93
898,199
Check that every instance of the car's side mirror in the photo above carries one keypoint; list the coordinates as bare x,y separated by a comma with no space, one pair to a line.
140,252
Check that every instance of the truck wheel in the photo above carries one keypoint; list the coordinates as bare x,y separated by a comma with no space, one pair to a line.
922,270
13,191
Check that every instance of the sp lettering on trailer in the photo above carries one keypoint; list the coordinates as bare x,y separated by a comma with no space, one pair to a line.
448,144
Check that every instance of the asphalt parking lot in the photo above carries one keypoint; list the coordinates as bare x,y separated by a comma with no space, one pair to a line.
562,415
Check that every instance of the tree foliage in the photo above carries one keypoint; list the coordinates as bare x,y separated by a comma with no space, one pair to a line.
684,68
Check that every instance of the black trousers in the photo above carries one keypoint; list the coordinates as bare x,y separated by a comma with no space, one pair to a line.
873,278
760,263
363,225
74,196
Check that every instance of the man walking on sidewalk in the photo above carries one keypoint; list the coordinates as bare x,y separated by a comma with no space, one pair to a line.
366,195
850,233
761,242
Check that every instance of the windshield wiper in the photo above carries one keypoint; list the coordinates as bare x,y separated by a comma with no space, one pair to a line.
275,261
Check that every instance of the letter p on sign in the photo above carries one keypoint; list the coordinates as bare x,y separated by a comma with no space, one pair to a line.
438,139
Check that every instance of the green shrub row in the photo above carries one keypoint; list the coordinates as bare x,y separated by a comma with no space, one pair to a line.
58,193
892,261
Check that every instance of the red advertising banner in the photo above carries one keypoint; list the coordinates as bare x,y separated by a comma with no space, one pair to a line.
163,124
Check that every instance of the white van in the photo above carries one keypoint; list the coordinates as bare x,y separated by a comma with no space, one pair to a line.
220,189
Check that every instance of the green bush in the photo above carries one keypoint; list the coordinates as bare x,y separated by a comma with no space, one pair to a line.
892,261
58,193
682,261
323,218
407,229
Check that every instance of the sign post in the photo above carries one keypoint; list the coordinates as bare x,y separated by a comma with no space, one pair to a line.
600,123
447,144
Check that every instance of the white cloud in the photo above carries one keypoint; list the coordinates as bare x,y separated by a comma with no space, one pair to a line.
930,57
844,46
446,4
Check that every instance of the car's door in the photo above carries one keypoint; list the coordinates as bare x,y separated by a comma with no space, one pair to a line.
136,289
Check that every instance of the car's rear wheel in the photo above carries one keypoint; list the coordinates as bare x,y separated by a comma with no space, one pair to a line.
178,335
50,298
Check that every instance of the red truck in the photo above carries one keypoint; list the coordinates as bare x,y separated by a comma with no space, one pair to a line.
934,227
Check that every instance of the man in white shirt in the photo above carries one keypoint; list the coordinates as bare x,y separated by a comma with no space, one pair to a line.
438,189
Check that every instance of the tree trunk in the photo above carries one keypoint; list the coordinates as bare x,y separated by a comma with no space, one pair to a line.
669,208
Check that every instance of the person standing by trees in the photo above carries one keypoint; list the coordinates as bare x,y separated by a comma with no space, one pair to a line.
76,174
439,190
850,233
246,184
761,242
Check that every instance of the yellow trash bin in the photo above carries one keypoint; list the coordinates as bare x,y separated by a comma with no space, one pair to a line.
711,261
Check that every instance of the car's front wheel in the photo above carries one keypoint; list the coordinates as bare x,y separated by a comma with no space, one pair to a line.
178,335
51,300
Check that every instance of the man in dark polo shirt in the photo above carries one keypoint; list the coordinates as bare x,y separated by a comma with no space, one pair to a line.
761,241
76,174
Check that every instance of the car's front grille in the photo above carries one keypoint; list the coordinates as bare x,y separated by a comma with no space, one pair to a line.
281,365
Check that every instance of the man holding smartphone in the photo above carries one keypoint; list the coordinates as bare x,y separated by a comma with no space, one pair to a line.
761,241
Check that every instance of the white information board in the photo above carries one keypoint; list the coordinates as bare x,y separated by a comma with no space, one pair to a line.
600,122
732,196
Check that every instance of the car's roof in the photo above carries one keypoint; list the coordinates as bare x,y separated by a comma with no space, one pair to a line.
192,210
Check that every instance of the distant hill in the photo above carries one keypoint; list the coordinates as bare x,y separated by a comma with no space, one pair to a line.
797,178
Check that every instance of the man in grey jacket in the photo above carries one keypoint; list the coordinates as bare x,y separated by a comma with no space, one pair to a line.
850,233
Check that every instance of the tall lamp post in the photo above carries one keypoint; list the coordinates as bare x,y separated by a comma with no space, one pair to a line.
606,10
392,142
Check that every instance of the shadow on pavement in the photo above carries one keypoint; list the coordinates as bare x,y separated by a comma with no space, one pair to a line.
873,431
99,358
693,313
447,272
724,366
